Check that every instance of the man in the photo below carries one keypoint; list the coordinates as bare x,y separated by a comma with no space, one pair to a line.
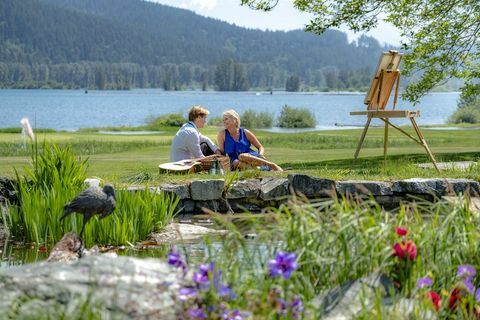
189,143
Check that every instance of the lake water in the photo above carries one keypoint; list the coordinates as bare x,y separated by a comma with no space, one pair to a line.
73,109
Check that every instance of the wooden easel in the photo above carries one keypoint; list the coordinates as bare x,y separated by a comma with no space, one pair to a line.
385,77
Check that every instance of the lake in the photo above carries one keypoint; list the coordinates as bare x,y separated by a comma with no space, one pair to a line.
74,109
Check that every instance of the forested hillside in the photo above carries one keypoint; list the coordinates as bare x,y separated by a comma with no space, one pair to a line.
133,43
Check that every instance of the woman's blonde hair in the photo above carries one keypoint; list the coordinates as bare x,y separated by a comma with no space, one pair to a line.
197,111
232,114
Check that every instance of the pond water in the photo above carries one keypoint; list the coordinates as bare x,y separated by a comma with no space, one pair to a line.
73,109
14,253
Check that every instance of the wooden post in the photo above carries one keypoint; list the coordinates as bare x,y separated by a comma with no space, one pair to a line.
385,143
362,137
424,142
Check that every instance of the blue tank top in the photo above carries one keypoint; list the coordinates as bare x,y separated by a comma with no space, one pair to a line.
234,148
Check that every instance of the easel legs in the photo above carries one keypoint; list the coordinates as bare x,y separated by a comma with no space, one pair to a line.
385,143
364,133
421,140
424,142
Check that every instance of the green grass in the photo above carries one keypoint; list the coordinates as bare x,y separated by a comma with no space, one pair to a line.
129,158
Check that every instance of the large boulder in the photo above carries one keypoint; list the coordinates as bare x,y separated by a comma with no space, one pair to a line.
108,287
312,187
273,188
207,189
363,187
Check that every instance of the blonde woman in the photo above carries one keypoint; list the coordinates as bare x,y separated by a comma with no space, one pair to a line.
236,142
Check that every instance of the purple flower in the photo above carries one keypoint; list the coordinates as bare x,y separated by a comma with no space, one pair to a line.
297,308
196,313
202,276
424,282
174,259
469,286
234,315
477,295
186,293
281,306
283,264
466,271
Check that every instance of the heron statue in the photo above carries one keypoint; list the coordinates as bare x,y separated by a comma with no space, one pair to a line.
90,202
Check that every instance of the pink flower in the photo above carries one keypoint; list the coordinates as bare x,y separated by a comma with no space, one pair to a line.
401,231
405,249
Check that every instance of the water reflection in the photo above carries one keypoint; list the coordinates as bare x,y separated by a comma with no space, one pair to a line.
194,251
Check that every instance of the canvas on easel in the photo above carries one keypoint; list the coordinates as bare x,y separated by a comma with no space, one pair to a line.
387,76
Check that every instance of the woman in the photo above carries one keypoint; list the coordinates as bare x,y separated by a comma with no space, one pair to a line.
235,142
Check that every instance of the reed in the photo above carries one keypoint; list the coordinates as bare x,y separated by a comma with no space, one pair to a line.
54,178
137,215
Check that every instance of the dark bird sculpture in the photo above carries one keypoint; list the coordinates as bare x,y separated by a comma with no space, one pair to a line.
90,202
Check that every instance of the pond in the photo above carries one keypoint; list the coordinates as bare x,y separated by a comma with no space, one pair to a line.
14,253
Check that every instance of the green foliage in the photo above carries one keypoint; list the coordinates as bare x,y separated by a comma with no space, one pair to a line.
440,39
292,84
215,121
340,240
291,117
111,48
469,114
137,215
256,120
85,147
468,110
54,178
230,76
167,120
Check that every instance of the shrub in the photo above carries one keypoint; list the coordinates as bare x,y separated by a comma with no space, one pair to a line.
216,121
296,118
467,114
166,120
256,120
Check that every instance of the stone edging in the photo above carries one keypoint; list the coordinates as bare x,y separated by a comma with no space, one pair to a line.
254,194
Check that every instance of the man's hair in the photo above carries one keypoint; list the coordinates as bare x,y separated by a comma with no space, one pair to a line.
232,114
197,111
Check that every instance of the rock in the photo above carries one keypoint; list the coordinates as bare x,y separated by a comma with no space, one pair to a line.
109,287
7,190
273,188
69,248
183,231
363,187
455,165
3,233
207,189
312,187
463,186
434,187
244,189
349,299
186,205
181,190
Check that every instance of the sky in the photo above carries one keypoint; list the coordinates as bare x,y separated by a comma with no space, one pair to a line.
283,17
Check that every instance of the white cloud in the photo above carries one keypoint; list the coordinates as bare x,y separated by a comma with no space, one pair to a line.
203,4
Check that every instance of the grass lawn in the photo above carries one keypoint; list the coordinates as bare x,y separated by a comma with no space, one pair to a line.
127,158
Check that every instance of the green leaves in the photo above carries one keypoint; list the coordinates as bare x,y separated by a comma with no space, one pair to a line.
441,37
